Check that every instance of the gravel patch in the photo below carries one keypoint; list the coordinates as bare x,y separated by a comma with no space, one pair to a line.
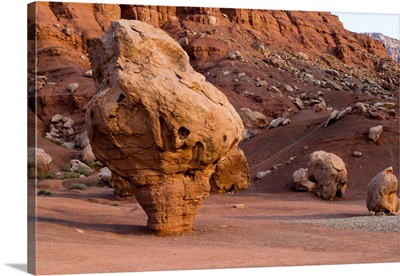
386,224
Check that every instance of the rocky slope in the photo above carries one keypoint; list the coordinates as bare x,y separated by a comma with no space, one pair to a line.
283,64
392,45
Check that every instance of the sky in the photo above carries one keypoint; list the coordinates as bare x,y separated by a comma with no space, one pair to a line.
387,24
13,112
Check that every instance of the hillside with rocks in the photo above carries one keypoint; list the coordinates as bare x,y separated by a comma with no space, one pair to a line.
392,44
299,82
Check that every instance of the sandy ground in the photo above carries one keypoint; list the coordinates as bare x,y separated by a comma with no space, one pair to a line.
91,231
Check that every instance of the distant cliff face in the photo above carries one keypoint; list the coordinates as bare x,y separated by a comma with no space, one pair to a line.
253,42
392,45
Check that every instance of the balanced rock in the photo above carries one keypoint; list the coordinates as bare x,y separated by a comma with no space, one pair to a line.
329,173
39,162
157,123
382,191
252,119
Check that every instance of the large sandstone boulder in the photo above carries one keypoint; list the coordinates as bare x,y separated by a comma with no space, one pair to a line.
157,123
382,191
39,162
329,173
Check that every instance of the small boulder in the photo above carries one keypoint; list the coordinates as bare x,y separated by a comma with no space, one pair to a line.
276,122
72,87
301,181
68,145
252,119
329,172
56,118
382,191
82,140
261,175
298,102
39,162
231,173
288,88
375,133
78,166
89,74
104,174
87,155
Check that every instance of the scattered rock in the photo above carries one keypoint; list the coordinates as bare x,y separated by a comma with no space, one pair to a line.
68,145
82,140
104,174
72,87
298,102
276,122
68,122
375,133
301,181
252,119
288,88
56,118
78,166
261,175
234,55
247,134
356,153
68,31
89,74
329,172
239,206
382,191
39,162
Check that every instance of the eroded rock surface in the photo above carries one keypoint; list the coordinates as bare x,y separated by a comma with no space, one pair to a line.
382,191
157,123
231,174
329,172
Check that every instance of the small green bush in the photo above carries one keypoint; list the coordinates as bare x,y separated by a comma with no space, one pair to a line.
77,186
84,171
66,167
44,192
69,175
47,175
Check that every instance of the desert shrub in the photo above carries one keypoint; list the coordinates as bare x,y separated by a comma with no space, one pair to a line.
47,175
68,175
84,171
66,167
77,186
44,192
